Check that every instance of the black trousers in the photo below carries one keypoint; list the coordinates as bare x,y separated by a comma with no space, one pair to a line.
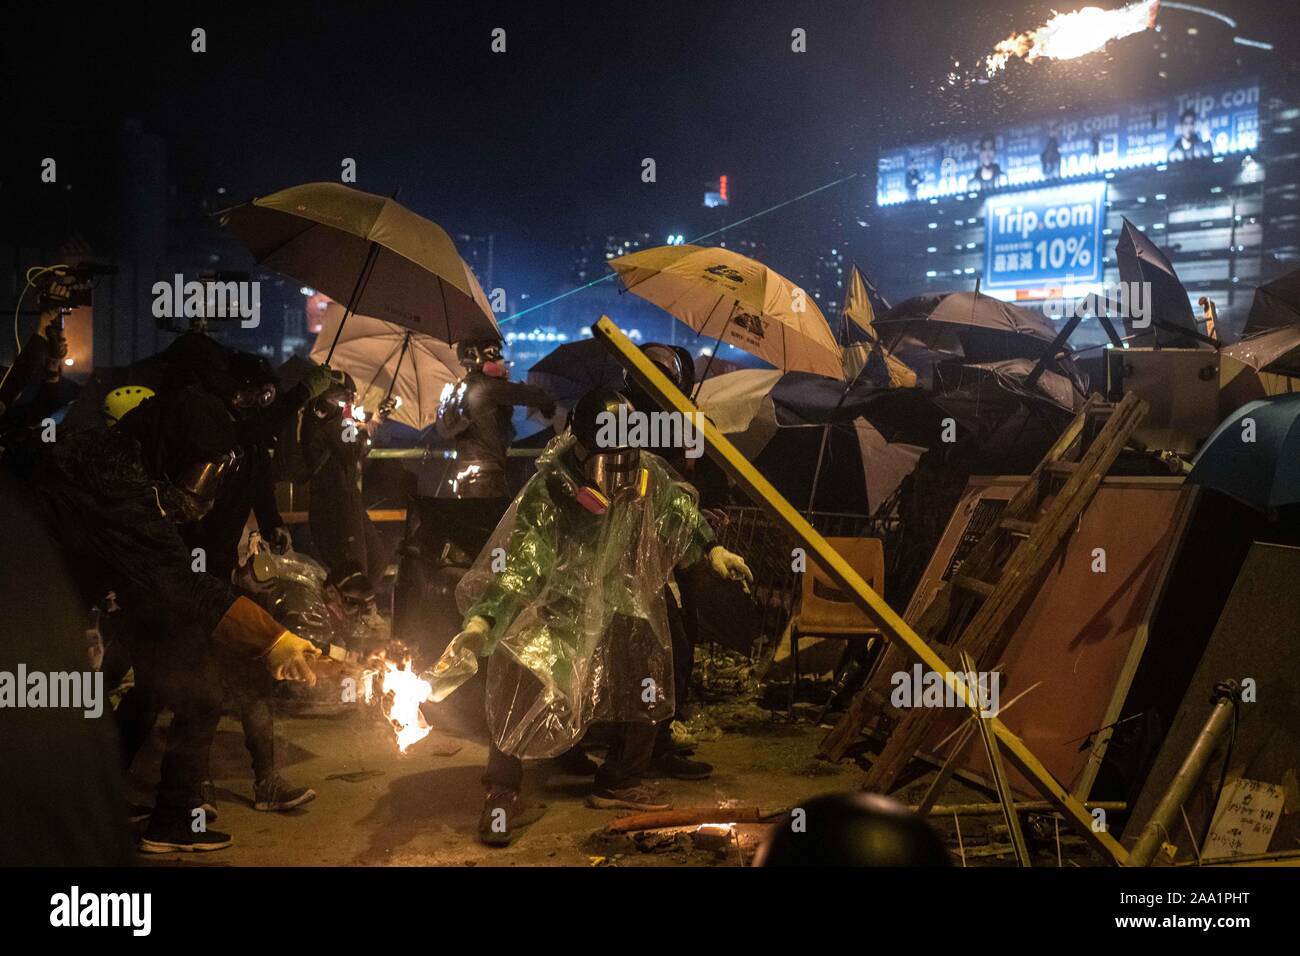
189,674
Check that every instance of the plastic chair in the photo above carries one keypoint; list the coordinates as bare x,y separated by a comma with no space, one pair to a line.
826,611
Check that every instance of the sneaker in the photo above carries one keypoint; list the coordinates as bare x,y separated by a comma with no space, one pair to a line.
274,794
138,812
172,833
678,766
208,799
640,797
504,814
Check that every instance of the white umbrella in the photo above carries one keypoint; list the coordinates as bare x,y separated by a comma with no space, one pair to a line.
387,360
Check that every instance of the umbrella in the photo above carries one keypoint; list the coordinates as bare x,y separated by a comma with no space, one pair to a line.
747,404
1264,472
740,405
732,298
966,325
369,253
1276,303
1275,349
1009,376
1141,260
862,303
388,360
571,370
870,358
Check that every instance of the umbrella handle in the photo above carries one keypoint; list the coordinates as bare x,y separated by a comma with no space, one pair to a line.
371,255
406,343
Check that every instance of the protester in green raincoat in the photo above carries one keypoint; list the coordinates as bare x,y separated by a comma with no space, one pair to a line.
567,601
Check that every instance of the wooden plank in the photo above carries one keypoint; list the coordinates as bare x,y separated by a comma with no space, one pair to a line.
1025,528
892,627
967,583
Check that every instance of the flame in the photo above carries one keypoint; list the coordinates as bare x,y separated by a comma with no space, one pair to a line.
1069,35
402,693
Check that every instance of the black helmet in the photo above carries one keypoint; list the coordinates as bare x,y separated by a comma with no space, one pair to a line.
852,829
597,425
674,361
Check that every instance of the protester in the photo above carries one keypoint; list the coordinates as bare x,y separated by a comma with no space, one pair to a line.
574,621
478,416
115,499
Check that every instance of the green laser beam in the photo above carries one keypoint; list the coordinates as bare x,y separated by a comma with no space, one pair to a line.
707,235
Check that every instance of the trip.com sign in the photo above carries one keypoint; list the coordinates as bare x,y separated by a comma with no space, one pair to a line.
1044,238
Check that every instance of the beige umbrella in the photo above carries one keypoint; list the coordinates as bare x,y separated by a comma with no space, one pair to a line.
387,360
369,253
858,309
732,298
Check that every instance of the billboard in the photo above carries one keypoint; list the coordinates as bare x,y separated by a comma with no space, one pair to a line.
1044,237
1212,120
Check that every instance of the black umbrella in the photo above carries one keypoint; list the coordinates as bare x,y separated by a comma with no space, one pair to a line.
1276,303
965,325
575,368
1142,261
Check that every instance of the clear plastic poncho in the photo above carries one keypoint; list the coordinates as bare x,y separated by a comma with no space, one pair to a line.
577,604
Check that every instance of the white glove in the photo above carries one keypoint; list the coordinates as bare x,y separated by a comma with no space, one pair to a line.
730,566
459,662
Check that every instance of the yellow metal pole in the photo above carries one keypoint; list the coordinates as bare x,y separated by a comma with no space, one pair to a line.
894,628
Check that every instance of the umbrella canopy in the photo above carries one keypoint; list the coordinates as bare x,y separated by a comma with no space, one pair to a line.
404,268
1263,473
966,325
1009,376
1276,304
1141,260
724,295
740,405
571,370
383,358
744,406
862,303
870,359
1274,350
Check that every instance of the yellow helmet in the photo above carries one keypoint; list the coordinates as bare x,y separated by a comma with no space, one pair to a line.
121,400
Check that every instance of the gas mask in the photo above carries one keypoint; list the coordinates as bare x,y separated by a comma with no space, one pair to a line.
193,492
608,474
252,397
484,357
613,471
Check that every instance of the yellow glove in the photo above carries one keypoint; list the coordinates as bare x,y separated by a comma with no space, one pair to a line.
287,658
459,662
731,566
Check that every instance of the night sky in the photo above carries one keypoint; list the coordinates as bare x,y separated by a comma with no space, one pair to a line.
544,142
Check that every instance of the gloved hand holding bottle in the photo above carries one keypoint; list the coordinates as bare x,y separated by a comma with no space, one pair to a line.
730,566
459,662
287,658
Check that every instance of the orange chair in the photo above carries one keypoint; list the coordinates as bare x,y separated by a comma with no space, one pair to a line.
826,611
